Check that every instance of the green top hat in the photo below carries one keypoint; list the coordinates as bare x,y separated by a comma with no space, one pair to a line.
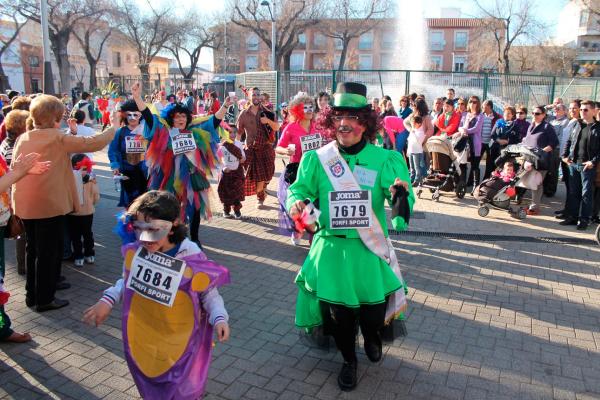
350,96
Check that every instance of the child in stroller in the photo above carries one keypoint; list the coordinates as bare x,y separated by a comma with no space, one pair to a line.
498,190
503,186
445,173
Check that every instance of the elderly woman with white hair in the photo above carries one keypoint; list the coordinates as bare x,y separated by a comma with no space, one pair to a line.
298,137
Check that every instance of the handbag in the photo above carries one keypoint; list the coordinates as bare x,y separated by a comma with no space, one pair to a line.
14,227
290,173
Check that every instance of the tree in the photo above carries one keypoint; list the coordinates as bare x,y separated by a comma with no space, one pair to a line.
509,22
63,17
292,17
97,28
189,43
351,19
148,33
7,13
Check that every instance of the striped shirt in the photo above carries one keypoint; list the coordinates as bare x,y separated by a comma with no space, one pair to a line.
486,131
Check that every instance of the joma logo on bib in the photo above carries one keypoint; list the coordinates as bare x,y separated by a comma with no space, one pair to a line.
159,259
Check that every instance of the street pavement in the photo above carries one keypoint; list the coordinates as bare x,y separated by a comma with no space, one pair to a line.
499,309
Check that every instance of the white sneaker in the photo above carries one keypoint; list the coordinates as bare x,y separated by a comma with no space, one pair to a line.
90,259
295,240
78,262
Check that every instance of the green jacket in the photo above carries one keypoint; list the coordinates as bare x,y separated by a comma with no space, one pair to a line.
312,183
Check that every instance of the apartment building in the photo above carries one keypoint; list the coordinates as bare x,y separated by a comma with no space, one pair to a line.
447,45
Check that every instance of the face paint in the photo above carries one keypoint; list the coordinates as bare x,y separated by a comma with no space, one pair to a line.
152,231
308,108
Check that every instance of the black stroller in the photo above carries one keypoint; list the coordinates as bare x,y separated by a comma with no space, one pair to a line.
496,193
444,174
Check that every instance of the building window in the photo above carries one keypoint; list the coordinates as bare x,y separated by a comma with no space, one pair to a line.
461,39
388,41
319,40
336,60
460,64
386,61
252,42
34,61
128,58
338,43
116,59
297,61
436,40
251,63
302,40
365,61
365,42
584,18
35,86
436,63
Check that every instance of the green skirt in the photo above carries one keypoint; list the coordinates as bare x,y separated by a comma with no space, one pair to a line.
341,271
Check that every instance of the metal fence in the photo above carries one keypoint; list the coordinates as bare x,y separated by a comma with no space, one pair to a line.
503,89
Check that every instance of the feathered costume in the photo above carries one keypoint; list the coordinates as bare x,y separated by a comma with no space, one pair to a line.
185,175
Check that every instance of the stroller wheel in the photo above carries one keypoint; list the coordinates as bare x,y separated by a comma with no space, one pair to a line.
461,190
431,190
483,211
522,213
435,196
419,192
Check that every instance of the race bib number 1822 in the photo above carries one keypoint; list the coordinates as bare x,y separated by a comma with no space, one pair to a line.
155,276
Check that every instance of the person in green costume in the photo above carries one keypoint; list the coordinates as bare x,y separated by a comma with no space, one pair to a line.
342,283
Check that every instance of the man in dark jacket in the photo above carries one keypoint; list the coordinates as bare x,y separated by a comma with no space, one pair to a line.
582,153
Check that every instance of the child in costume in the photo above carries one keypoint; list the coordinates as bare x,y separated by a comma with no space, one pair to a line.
170,301
231,185
80,223
126,154
181,155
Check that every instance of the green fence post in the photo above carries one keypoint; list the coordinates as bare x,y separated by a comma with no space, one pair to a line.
333,83
552,90
596,91
407,84
485,85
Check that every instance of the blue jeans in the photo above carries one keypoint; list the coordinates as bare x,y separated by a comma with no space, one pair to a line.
417,170
581,192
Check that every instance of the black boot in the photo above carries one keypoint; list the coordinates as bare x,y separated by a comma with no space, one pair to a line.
373,348
347,377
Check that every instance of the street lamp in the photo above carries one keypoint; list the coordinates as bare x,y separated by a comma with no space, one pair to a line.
48,77
268,4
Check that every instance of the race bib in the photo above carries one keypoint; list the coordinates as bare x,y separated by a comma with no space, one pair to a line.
350,209
182,143
311,142
155,276
134,145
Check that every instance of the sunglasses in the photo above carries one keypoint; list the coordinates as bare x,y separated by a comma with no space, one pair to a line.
520,112
537,113
339,118
585,109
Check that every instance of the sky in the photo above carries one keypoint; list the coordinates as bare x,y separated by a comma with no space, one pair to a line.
547,11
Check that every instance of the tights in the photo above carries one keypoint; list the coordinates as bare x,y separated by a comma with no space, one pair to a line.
342,323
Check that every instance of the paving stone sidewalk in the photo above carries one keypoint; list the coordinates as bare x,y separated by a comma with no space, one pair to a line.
488,319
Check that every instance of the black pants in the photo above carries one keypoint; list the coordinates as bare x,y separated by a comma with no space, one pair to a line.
44,257
490,162
194,226
80,226
474,172
341,323
565,174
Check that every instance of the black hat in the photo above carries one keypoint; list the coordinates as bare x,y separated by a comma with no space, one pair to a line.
129,105
350,96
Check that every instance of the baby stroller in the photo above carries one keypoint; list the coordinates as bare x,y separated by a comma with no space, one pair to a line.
496,193
444,174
